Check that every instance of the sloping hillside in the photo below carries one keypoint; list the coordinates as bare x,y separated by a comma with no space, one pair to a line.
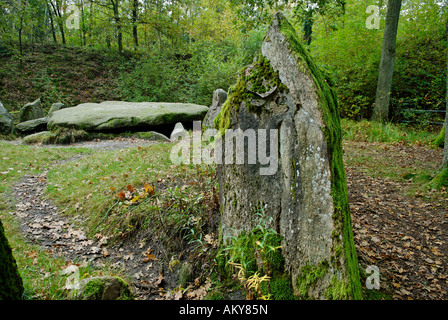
57,74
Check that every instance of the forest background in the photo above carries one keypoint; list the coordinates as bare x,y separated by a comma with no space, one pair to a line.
74,51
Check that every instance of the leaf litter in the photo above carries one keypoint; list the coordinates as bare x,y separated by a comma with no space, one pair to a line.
45,225
405,236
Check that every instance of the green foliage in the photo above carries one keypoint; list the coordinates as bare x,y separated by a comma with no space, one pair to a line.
255,250
279,288
351,53
309,275
370,131
189,78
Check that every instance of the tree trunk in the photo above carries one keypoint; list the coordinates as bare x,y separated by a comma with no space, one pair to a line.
116,8
52,24
382,99
57,12
11,286
135,22
20,42
445,148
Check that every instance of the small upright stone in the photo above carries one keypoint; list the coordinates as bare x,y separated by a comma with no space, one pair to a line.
56,107
177,132
31,111
6,122
219,97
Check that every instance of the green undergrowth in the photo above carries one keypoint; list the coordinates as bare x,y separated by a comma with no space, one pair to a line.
118,193
255,259
371,131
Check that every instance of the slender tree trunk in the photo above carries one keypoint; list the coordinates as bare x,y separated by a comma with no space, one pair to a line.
445,148
135,22
116,9
50,14
20,37
20,42
57,12
83,26
382,99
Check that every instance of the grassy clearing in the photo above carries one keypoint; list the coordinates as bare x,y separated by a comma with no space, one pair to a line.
369,131
397,152
119,192
40,269
18,160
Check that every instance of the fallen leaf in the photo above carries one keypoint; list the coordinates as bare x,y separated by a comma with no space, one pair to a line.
159,279
105,252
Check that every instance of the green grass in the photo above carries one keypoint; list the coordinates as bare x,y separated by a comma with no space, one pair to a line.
178,213
401,153
18,160
370,131
91,188
39,269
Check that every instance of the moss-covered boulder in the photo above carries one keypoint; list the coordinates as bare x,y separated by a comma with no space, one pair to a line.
31,111
285,99
6,122
32,126
11,286
103,288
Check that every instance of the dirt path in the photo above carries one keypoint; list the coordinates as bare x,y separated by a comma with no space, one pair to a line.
43,224
405,236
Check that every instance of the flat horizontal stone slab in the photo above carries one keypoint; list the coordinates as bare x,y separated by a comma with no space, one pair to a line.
112,115
32,126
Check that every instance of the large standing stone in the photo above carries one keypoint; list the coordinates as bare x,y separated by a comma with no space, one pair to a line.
219,97
305,198
31,111
112,115
6,122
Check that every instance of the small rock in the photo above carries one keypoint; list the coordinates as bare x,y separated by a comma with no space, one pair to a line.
178,131
31,111
103,288
219,97
32,126
6,122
